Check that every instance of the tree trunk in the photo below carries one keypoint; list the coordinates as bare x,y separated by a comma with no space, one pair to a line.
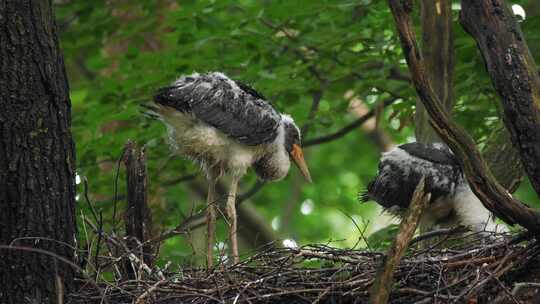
438,52
513,73
37,159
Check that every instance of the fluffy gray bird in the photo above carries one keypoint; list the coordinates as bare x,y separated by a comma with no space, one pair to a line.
227,127
452,200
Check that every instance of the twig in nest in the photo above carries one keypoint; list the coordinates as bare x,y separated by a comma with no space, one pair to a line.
140,299
519,286
439,232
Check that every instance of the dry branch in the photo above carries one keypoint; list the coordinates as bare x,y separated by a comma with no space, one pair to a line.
381,289
483,183
348,128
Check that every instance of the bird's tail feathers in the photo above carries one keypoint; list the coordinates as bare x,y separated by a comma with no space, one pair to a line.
363,196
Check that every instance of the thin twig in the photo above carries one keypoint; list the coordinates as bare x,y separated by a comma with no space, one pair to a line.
348,128
115,200
197,220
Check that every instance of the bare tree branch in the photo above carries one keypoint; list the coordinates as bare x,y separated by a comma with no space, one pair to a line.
345,130
316,101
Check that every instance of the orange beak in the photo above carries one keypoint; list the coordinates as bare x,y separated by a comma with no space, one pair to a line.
298,157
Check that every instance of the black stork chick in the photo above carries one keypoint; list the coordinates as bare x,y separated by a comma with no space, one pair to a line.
227,127
452,201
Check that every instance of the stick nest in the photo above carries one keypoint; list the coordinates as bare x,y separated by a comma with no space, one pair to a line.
449,269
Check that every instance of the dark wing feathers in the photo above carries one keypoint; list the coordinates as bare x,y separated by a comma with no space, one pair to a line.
173,97
401,169
249,90
434,154
230,106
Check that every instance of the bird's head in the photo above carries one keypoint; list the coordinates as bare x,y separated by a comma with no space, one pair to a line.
293,140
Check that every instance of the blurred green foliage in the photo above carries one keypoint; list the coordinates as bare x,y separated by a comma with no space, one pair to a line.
119,52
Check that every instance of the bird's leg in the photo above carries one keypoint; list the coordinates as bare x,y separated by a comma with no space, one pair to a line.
231,213
210,220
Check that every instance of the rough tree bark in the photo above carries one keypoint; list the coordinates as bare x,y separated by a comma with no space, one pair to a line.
438,51
513,73
37,159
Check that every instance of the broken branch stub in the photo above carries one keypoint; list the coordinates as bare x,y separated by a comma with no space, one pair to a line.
137,218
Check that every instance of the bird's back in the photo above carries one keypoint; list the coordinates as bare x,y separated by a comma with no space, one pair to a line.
233,108
401,169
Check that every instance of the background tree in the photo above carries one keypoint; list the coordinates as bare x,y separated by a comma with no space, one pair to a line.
439,56
37,160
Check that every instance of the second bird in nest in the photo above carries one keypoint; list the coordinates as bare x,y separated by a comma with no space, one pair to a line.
452,201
